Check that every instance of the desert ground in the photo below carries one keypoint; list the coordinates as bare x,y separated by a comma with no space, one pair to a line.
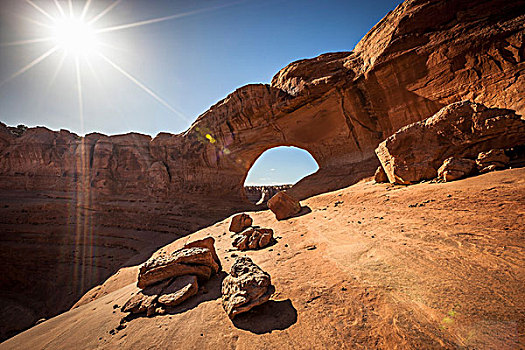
432,265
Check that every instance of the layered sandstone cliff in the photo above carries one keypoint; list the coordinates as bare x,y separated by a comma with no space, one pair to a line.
65,193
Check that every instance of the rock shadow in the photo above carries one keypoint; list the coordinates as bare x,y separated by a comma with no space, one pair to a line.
270,316
304,210
212,291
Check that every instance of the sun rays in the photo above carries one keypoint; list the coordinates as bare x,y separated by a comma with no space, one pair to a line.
66,33
74,34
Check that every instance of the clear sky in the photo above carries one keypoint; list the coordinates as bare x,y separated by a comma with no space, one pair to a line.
160,75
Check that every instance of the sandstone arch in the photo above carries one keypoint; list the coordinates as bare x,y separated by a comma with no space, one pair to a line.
281,165
288,166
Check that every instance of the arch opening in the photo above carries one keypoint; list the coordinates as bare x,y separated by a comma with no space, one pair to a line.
277,169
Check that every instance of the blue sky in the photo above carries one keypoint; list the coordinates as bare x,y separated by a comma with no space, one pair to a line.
189,62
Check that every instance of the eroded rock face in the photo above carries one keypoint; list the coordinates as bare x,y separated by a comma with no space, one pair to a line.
193,259
456,168
253,238
492,160
462,129
283,205
246,287
240,222
421,57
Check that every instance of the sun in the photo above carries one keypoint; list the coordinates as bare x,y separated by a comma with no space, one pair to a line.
74,36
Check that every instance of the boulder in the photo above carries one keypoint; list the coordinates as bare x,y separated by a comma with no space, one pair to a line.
180,289
283,205
380,175
253,238
198,261
240,222
455,168
246,287
462,129
492,160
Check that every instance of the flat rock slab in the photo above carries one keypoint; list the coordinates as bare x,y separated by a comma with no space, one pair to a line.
195,258
246,287
179,290
462,129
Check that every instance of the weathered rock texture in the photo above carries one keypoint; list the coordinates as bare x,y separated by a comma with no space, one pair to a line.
456,168
168,280
492,160
240,222
145,300
200,261
253,238
462,129
168,293
422,56
246,287
283,205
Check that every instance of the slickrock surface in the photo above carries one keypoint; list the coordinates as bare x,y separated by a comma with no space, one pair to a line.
283,205
373,271
462,129
246,287
75,209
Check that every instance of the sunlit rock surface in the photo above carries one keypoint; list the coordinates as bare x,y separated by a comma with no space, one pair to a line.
75,209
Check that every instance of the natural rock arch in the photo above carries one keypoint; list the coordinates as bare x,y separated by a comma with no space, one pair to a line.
281,165
422,56
261,192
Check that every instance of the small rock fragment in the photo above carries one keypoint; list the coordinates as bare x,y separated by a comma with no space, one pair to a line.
380,175
145,299
240,222
492,160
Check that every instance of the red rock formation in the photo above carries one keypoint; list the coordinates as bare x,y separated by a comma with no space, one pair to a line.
339,106
462,129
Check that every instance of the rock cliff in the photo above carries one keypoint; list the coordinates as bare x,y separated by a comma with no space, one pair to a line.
94,202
